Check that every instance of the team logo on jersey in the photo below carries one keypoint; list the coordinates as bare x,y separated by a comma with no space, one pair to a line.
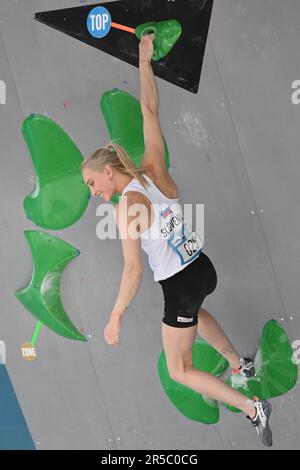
168,211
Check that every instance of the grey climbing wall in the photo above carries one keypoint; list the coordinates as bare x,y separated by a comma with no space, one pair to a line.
233,147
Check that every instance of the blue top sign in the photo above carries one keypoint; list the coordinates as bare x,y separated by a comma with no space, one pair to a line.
99,22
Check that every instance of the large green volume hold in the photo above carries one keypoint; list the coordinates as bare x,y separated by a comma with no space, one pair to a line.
124,120
60,197
190,403
276,372
166,35
42,296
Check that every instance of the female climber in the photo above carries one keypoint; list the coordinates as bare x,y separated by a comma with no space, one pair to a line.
149,217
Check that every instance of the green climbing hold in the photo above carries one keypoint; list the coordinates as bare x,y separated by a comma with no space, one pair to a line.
190,403
124,120
166,34
276,373
42,296
60,197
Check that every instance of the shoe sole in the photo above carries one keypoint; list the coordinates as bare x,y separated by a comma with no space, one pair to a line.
266,436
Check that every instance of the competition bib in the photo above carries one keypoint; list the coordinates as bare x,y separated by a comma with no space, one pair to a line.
187,244
181,238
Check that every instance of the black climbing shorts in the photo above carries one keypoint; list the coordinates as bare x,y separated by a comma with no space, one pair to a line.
185,292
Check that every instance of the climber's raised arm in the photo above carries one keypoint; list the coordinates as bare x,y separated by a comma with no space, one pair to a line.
154,157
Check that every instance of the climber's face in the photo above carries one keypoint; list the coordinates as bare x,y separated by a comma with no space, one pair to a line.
101,183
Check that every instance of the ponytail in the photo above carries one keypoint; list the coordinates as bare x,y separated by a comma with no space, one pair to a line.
116,156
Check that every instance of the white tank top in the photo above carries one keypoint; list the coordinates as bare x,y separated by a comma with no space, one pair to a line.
169,242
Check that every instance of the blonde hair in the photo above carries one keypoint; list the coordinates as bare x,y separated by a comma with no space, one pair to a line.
117,157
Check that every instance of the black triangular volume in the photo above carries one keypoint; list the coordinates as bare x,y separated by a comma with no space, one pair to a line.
182,66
